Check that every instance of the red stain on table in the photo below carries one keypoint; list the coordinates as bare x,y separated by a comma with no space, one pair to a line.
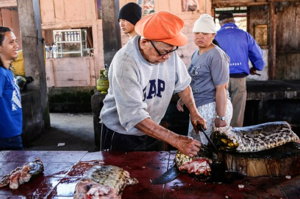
63,169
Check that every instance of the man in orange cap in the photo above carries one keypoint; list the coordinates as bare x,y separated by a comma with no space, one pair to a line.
143,76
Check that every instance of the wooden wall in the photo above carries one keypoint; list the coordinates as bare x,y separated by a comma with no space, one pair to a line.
9,18
8,3
259,15
63,14
66,14
286,34
57,14
288,41
76,71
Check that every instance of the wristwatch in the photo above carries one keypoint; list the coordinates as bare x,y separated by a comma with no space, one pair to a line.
221,118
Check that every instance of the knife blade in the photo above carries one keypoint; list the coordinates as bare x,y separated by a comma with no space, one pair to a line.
168,176
199,126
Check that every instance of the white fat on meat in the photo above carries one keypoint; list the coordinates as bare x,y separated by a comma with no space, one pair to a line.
197,166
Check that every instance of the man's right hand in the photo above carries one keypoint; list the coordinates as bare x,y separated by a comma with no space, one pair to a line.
187,145
253,71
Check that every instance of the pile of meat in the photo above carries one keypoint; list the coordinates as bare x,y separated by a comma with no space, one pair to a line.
23,174
103,182
197,165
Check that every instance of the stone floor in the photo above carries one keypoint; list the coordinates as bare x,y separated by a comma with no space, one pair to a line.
68,132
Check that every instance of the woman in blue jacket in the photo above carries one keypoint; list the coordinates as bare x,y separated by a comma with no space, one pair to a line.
10,97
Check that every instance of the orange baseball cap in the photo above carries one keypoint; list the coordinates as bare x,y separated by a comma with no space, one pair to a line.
162,26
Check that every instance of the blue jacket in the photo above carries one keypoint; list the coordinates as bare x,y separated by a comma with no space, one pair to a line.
11,118
240,46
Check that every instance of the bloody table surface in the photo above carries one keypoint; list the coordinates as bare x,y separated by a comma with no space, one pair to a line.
63,169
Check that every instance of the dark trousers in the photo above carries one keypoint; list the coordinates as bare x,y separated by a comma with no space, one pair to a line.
113,141
11,143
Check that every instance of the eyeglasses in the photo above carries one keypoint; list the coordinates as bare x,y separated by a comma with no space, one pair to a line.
165,53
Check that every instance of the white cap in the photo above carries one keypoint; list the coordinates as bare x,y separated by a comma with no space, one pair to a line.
205,23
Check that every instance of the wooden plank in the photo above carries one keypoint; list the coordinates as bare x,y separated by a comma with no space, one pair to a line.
75,10
67,25
272,50
122,3
287,41
162,5
92,74
8,3
99,53
47,11
71,83
279,161
208,7
59,11
202,6
88,76
63,14
97,36
1,22
237,4
94,62
91,10
71,64
10,18
175,6
76,75
71,72
50,73
288,65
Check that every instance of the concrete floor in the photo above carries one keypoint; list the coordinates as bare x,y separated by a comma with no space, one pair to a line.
68,132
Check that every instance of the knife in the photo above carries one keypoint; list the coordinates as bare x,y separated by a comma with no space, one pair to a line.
168,176
199,126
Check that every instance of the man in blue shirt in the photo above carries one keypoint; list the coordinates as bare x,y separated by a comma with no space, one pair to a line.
240,47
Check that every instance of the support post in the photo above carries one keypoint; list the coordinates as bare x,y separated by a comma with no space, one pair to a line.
111,29
34,62
272,49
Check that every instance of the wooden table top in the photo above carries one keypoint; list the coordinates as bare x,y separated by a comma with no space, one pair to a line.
64,168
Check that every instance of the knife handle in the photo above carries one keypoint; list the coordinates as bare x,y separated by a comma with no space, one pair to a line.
200,127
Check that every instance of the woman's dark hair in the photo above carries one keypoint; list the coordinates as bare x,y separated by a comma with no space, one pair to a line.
216,43
3,30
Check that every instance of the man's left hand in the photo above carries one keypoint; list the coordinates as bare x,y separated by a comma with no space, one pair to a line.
197,119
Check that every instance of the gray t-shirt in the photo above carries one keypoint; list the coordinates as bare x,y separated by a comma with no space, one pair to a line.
207,71
140,90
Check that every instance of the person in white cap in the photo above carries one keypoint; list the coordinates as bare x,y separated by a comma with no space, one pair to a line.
209,70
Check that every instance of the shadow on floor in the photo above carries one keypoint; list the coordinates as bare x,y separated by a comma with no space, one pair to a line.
68,132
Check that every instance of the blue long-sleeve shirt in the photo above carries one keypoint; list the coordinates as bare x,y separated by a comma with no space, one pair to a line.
11,118
240,46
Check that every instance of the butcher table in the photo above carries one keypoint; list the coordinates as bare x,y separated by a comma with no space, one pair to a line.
64,168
